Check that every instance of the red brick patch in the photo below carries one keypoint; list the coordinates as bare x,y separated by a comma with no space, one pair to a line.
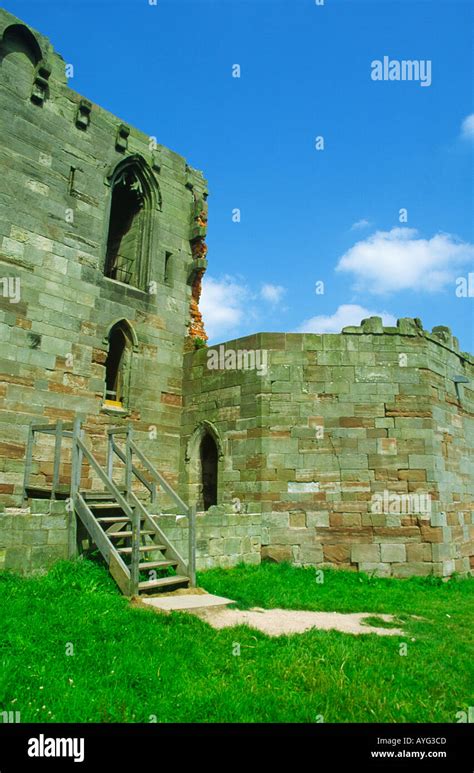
169,399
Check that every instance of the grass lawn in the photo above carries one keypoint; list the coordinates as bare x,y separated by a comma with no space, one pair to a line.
133,665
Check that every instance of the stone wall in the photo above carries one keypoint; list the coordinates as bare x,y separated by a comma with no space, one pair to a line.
223,538
34,537
231,405
356,447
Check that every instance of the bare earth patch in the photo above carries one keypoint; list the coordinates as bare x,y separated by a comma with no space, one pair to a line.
215,611
280,622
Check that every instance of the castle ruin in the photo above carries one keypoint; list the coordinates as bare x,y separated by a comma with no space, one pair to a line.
353,450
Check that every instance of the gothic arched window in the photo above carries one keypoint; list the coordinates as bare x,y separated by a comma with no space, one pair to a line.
118,365
129,236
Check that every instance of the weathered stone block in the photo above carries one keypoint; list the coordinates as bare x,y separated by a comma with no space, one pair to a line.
337,554
297,519
281,520
413,475
54,522
232,546
431,534
320,520
365,553
40,506
442,551
277,553
59,537
351,519
18,559
251,558
387,446
404,534
36,537
393,553
420,552
310,555
215,547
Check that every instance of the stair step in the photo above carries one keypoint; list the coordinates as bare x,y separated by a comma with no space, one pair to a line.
101,495
156,565
119,519
115,519
164,581
123,534
44,492
105,506
143,549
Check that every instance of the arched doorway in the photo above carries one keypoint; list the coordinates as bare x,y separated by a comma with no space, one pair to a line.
204,466
209,470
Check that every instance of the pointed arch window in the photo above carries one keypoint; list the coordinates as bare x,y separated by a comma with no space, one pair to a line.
118,366
134,197
209,469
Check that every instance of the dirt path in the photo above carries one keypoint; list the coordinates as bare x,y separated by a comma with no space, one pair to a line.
278,622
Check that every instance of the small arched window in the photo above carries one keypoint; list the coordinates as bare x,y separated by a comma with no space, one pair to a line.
19,55
209,469
118,365
134,197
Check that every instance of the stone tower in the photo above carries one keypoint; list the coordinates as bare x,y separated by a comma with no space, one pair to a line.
102,248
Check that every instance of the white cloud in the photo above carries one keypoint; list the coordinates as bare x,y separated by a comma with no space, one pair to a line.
390,261
360,224
228,305
467,127
223,305
347,314
272,293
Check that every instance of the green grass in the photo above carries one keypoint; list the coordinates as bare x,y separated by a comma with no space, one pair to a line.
131,664
379,622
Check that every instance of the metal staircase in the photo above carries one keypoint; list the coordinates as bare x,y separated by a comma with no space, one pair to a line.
140,557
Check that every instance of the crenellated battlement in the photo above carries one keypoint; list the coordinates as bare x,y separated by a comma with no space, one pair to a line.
408,326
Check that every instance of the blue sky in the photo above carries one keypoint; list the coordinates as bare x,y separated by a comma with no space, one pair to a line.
306,215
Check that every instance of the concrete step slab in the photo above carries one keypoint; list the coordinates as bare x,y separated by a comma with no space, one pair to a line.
191,601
